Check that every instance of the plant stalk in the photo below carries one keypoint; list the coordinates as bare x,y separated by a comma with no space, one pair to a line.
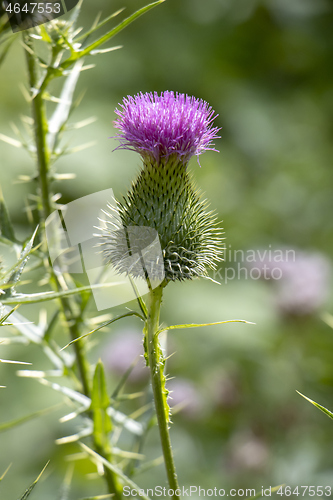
41,129
156,365
43,163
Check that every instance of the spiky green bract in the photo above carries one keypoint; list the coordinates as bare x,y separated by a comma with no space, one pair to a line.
164,199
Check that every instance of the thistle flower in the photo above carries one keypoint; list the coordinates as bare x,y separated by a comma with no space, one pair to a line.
166,130
170,124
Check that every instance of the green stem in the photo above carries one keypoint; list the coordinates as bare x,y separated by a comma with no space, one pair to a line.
73,323
81,360
41,129
110,477
156,364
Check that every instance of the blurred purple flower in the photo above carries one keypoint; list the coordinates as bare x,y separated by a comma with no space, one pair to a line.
184,397
248,452
304,286
301,283
121,351
226,391
170,124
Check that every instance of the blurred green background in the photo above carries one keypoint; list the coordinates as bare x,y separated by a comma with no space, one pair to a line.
266,68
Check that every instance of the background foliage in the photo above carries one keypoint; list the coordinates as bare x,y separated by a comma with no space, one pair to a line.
265,67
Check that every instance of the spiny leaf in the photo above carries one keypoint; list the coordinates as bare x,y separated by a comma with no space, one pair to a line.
70,393
14,273
14,423
115,469
65,488
68,62
11,141
124,378
194,325
140,300
3,475
6,316
328,319
81,147
97,25
141,411
75,13
6,227
99,396
82,123
28,329
117,416
11,362
322,408
99,403
5,49
87,431
104,51
27,492
149,465
61,113
131,313
44,34
127,454
99,497
33,298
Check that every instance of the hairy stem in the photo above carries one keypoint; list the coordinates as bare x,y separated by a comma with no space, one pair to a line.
41,126
156,364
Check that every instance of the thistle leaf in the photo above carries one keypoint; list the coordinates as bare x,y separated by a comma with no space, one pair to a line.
82,123
6,227
11,141
44,34
85,402
100,401
27,492
114,469
75,13
110,34
99,398
11,362
130,313
61,113
6,316
322,408
6,48
15,272
3,475
194,325
328,319
104,51
97,25
28,329
148,465
34,298
19,421
99,497
65,487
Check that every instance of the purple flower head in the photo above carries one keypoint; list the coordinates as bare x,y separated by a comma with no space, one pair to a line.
165,125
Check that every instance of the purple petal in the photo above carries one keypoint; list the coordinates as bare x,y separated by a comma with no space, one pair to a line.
160,126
